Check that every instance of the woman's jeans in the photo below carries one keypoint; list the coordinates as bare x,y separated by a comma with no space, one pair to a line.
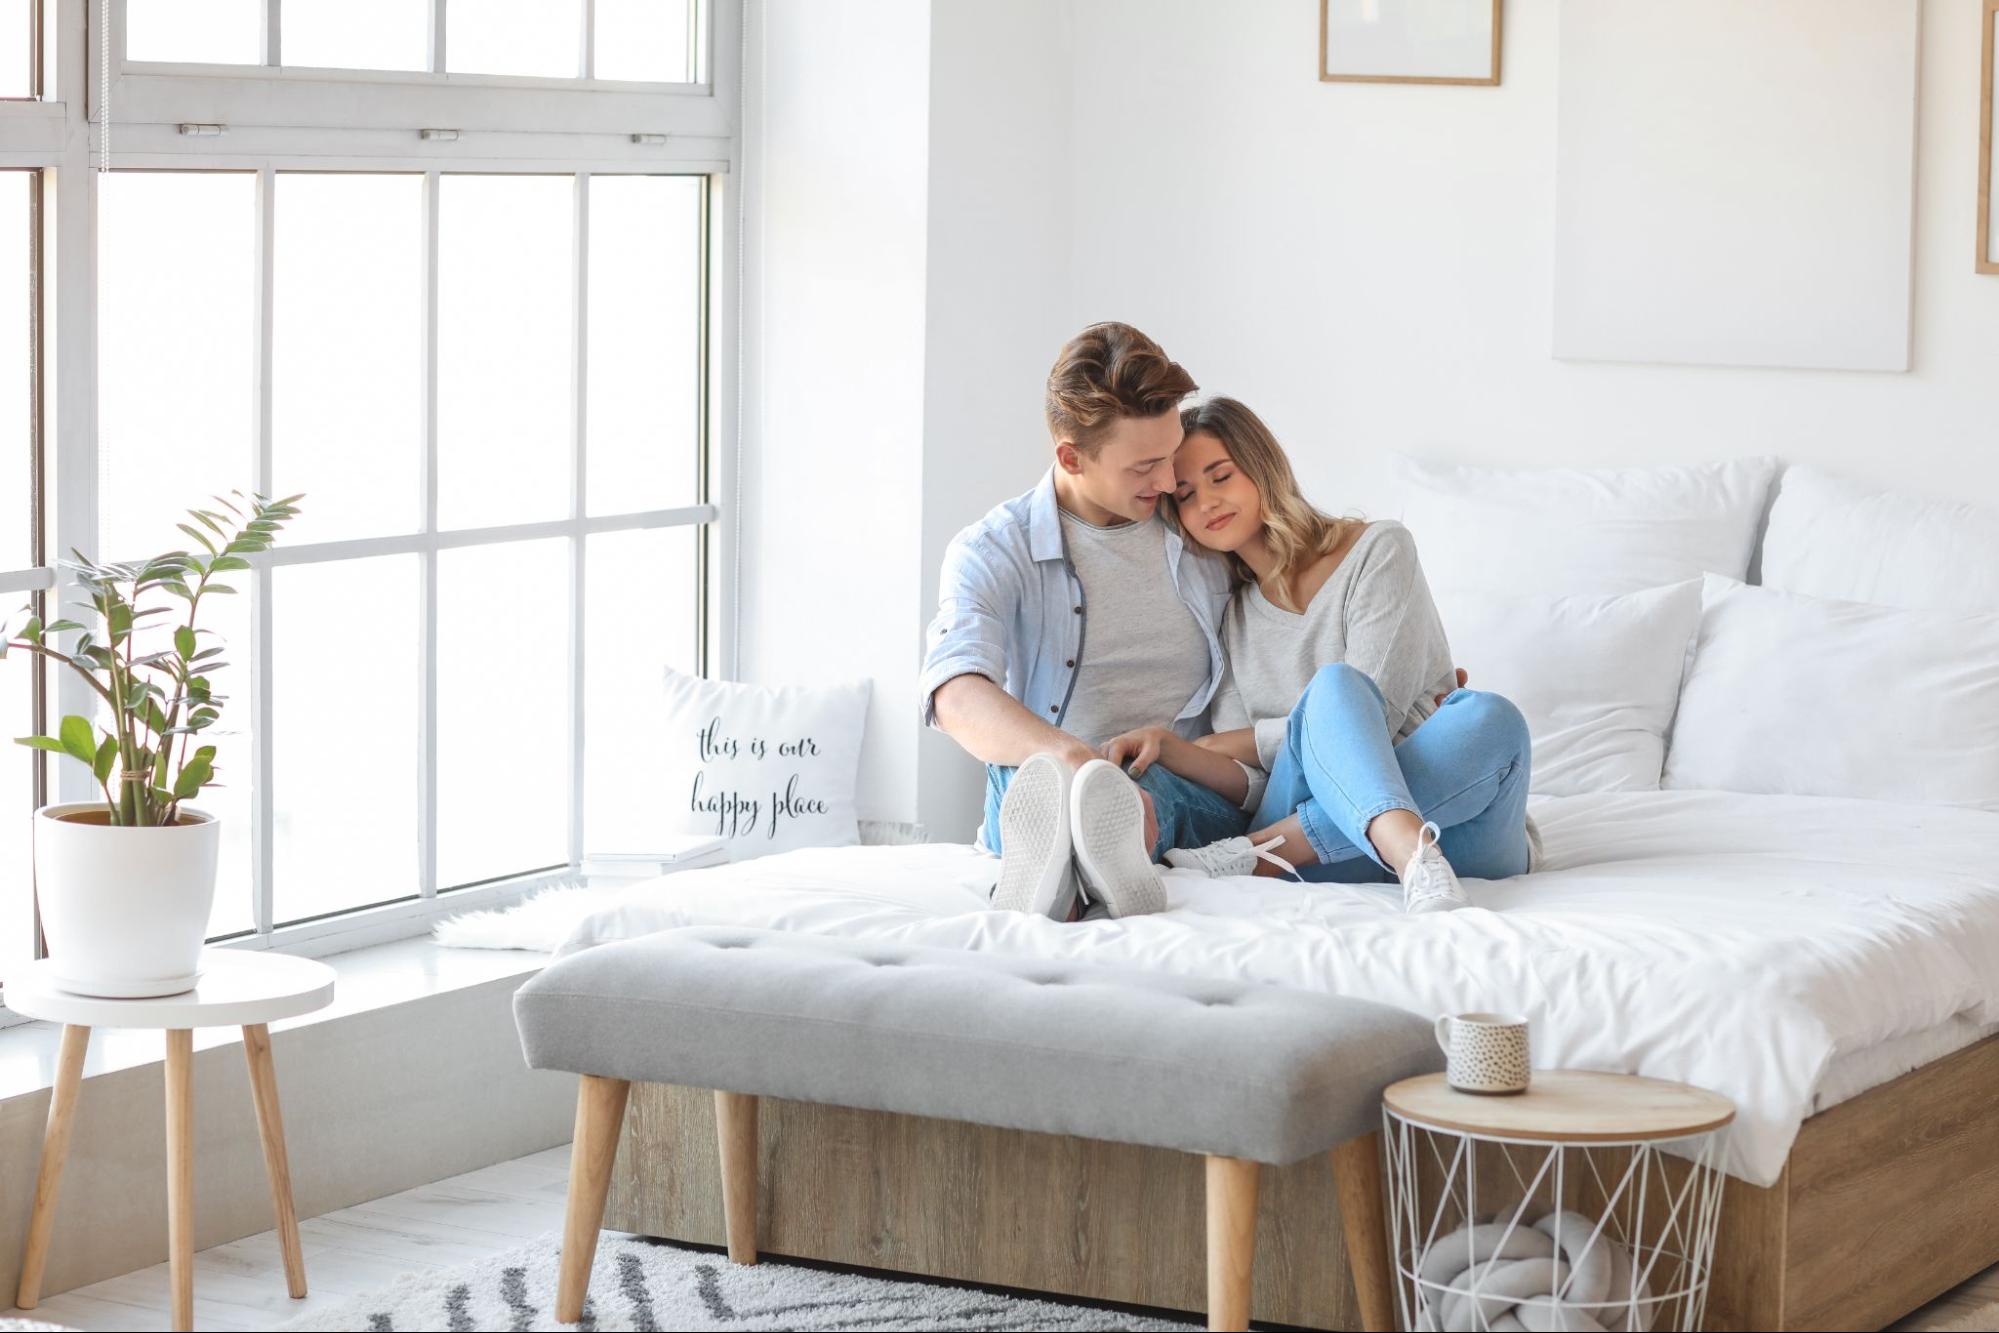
1465,769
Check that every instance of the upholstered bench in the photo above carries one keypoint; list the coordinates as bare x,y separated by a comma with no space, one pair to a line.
1239,1073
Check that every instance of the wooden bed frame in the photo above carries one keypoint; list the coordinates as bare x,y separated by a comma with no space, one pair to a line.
1887,1201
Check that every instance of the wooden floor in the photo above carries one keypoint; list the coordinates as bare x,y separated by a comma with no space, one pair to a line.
356,1250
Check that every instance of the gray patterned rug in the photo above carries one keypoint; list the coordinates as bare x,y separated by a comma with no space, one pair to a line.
641,1285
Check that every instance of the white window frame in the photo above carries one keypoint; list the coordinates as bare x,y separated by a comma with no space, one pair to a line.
276,119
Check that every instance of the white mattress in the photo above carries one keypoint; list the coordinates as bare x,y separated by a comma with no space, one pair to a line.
1777,949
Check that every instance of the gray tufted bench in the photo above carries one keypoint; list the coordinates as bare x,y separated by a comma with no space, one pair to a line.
1240,1073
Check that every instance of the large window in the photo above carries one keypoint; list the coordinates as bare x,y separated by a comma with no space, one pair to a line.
450,269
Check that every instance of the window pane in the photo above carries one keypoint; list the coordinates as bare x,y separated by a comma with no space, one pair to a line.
17,317
515,37
643,39
345,664
17,804
17,55
226,32
347,360
626,653
644,411
357,34
502,706
175,350
503,356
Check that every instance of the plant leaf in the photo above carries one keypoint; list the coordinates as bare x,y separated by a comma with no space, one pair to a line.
107,756
49,743
77,740
193,777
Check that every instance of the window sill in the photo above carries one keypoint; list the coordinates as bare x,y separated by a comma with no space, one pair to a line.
380,976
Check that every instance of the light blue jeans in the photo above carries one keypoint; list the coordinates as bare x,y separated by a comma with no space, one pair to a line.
1465,769
1190,815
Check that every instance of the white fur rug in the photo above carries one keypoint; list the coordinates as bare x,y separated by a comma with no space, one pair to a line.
539,922
642,1285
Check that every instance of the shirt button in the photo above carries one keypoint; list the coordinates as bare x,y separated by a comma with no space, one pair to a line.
1053,708
1071,663
1079,610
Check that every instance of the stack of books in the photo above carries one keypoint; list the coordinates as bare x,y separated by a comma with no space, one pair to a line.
689,851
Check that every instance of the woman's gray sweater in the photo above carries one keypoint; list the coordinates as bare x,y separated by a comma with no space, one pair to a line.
1374,613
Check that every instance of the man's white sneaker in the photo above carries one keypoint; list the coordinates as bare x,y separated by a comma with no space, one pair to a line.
1428,882
1230,856
1036,874
1107,816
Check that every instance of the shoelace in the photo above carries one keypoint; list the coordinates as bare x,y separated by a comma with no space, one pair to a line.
1263,853
1422,881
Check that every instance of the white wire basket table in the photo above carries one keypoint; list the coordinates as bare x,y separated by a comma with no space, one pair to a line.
1590,1201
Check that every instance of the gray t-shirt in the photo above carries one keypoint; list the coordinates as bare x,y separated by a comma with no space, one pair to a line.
1143,655
1374,613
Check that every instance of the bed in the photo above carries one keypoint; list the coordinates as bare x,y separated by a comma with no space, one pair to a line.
1832,965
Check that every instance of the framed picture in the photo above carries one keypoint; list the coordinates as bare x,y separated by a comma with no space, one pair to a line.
1988,147
1409,41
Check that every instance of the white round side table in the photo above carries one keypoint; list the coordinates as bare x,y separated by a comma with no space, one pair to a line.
1589,1200
237,988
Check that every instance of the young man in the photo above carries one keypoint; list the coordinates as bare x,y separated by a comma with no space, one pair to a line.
1070,615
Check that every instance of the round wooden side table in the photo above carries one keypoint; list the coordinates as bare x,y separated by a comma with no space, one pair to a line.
237,988
1589,1200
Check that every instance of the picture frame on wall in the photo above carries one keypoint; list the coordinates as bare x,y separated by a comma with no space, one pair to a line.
1409,41
1988,144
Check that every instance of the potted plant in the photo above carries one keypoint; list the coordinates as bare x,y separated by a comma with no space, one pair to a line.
125,883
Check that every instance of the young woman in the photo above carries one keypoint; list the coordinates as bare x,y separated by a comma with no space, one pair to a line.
1340,720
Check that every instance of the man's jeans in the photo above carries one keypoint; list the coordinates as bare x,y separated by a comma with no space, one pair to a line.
1465,769
1190,815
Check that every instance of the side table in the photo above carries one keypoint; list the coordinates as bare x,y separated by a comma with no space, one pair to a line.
1590,1200
237,988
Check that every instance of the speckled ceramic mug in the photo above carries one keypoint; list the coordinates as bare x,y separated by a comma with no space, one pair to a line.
1484,1053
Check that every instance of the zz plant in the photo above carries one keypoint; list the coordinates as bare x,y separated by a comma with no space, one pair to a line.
149,759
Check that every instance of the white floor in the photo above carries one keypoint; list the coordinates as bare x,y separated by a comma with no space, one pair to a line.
360,1249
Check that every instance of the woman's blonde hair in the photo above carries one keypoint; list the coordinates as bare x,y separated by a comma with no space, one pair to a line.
1296,532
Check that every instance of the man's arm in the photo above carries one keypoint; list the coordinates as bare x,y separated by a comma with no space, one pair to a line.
996,728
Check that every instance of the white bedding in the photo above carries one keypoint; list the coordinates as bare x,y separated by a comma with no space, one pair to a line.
1742,943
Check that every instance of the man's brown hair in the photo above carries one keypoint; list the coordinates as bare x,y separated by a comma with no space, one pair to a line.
1108,372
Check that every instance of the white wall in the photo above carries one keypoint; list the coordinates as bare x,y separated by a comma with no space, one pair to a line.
954,188
1370,266
998,298
838,131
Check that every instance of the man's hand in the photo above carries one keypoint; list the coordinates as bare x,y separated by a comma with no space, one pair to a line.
1463,676
1139,748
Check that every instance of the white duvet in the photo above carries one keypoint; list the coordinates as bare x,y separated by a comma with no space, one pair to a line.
1736,942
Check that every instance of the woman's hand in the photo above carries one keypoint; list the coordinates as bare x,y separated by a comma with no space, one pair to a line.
1141,748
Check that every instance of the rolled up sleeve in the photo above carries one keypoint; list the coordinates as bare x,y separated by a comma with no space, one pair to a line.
978,595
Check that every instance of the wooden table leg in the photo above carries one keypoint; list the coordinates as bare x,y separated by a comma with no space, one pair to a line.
1231,1240
55,1151
180,1174
271,1129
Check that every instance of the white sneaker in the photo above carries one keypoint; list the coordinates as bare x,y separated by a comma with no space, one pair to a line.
1229,857
1035,871
1428,882
1108,819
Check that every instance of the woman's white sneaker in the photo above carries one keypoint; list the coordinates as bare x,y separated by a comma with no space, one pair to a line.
1107,817
1428,882
1229,857
1036,874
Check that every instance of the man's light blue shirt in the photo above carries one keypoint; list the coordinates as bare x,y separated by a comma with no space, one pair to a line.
1010,608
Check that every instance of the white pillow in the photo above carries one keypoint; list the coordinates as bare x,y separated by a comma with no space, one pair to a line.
1797,695
1596,677
1832,536
1575,530
767,768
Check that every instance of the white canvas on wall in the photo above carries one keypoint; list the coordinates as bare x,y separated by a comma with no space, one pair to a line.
1409,41
1735,182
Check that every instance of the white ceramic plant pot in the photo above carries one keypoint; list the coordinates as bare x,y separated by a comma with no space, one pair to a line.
124,909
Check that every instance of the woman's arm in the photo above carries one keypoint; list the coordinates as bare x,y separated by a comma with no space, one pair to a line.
1194,761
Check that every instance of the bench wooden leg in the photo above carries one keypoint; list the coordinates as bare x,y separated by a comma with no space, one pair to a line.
600,1116
1231,1240
1357,1179
736,1131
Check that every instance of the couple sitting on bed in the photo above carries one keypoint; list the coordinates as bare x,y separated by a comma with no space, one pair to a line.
1166,573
